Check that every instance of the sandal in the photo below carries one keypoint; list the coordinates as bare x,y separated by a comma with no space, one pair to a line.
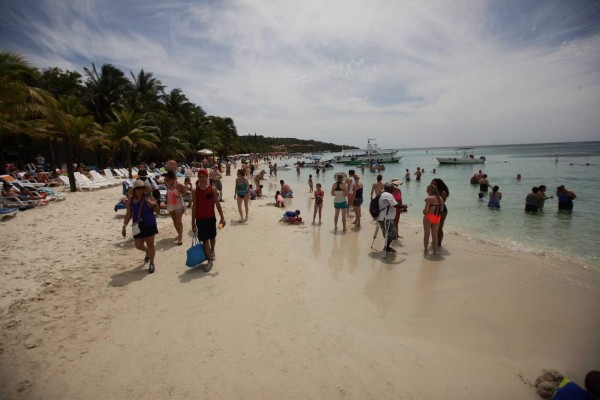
147,258
151,268
208,266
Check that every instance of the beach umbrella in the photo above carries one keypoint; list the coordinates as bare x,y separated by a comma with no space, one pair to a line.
205,152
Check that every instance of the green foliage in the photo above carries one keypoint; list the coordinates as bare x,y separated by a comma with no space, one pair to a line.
253,143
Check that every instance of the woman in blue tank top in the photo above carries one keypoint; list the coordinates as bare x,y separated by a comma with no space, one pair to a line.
141,208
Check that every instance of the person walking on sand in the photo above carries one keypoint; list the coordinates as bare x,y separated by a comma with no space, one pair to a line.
377,187
339,192
432,216
358,200
141,208
204,201
175,203
241,193
310,184
319,195
387,213
215,180
444,193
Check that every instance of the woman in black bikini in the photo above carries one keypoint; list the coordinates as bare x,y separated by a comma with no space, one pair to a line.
444,193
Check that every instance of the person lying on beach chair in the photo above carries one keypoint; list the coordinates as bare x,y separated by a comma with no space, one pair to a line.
292,217
8,190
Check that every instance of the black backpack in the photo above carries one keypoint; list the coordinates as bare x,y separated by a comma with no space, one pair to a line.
374,207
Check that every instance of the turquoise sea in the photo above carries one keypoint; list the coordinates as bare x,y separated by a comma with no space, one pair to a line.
553,233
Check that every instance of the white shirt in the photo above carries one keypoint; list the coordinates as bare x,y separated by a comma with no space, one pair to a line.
351,186
386,205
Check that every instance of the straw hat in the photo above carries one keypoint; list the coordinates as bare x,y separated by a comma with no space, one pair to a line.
396,182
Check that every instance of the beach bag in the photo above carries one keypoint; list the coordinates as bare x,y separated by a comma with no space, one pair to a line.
195,254
136,227
374,207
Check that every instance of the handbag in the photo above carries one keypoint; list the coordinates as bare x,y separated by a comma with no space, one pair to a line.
136,227
195,254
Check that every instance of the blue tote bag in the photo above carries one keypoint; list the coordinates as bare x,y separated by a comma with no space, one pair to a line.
195,254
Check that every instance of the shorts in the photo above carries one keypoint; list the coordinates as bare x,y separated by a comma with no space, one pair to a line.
343,204
146,232
434,219
357,202
219,185
206,228
391,229
531,208
289,195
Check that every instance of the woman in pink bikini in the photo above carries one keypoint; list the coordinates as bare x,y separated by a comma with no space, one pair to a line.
434,206
175,204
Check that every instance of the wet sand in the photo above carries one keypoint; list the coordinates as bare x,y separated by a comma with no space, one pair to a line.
288,311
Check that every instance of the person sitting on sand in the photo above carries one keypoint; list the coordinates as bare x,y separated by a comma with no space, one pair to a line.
251,192
569,390
286,190
291,217
279,200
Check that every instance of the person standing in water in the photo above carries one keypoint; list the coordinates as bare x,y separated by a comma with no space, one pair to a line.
565,198
340,200
319,195
495,197
377,187
531,201
358,200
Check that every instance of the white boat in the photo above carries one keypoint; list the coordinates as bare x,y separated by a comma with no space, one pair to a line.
464,155
372,154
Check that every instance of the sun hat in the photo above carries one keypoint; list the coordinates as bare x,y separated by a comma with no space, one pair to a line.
137,183
396,182
202,171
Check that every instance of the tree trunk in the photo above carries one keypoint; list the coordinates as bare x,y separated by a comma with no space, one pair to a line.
52,156
2,158
69,157
129,162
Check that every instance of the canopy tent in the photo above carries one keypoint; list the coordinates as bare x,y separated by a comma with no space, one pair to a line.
205,152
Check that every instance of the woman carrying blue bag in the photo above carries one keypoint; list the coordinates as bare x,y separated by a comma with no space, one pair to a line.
204,222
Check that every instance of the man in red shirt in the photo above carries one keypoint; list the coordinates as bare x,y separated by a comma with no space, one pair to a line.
204,200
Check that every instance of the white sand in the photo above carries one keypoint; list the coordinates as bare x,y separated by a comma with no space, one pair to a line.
288,312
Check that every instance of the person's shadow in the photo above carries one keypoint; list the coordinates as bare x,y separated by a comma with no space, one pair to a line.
126,277
195,273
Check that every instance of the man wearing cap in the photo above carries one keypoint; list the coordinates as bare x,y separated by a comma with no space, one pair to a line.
204,200
387,205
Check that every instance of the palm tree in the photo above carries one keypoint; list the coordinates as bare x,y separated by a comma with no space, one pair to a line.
77,130
171,140
105,90
21,104
146,92
128,131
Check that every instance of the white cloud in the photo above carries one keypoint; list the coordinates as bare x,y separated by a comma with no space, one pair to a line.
410,73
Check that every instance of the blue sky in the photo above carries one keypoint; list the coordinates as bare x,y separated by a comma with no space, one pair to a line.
409,73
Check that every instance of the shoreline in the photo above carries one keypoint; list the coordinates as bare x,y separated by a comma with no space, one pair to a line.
292,311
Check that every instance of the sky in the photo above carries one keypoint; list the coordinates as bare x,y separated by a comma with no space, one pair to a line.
406,73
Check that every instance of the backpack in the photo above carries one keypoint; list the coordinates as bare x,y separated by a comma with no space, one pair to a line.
374,207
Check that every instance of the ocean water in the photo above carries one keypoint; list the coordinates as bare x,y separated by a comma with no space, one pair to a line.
553,233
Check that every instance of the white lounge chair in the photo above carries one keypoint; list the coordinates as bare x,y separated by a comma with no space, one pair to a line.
82,179
108,174
98,178
80,186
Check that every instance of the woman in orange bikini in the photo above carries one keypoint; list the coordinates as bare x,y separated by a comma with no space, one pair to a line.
434,206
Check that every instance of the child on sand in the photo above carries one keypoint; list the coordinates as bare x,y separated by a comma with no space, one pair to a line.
279,201
291,217
310,184
319,194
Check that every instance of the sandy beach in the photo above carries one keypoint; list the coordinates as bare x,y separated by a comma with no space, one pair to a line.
288,311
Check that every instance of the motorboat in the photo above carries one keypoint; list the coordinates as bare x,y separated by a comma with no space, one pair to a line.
464,155
372,154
